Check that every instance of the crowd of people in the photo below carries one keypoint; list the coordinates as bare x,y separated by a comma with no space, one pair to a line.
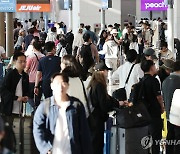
64,77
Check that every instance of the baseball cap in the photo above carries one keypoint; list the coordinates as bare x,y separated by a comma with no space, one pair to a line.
101,67
168,64
114,31
150,52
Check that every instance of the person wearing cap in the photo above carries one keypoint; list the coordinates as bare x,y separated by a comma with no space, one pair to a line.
165,53
20,40
102,103
150,54
115,33
170,84
147,37
166,69
128,38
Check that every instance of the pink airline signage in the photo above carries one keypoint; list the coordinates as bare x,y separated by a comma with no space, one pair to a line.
153,5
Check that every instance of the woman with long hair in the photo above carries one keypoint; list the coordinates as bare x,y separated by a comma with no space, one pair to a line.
73,69
102,39
102,104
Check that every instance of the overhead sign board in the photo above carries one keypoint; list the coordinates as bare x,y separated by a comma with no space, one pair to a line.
33,8
153,5
7,5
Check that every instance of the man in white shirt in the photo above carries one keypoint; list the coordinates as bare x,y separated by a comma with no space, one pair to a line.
122,72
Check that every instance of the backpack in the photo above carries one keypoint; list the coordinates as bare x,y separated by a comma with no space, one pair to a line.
137,94
86,55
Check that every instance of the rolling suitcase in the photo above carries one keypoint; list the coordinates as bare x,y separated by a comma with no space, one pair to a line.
117,143
117,140
107,136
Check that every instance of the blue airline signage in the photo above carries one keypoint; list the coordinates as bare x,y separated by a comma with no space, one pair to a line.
7,5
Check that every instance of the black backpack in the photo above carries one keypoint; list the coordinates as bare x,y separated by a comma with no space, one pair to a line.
86,55
137,94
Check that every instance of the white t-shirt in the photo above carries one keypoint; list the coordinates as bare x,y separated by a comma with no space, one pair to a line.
2,51
122,73
29,50
18,105
134,45
61,144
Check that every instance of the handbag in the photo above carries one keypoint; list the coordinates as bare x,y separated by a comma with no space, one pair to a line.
137,114
133,116
120,94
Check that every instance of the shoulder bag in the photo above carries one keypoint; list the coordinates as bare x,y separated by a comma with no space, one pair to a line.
120,94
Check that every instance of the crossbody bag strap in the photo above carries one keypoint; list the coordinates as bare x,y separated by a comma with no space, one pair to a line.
129,74
110,51
84,91
36,56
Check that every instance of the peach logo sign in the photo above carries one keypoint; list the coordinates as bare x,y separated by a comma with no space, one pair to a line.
33,8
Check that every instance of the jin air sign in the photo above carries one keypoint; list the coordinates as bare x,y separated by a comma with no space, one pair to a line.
153,5
7,5
33,6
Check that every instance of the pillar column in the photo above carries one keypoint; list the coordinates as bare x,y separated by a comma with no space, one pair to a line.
138,10
176,18
170,25
103,19
9,34
2,29
76,15
70,18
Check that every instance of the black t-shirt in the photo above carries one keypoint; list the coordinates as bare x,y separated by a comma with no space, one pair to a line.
151,91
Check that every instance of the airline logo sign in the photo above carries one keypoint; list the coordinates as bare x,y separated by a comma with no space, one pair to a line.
7,5
33,8
153,5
